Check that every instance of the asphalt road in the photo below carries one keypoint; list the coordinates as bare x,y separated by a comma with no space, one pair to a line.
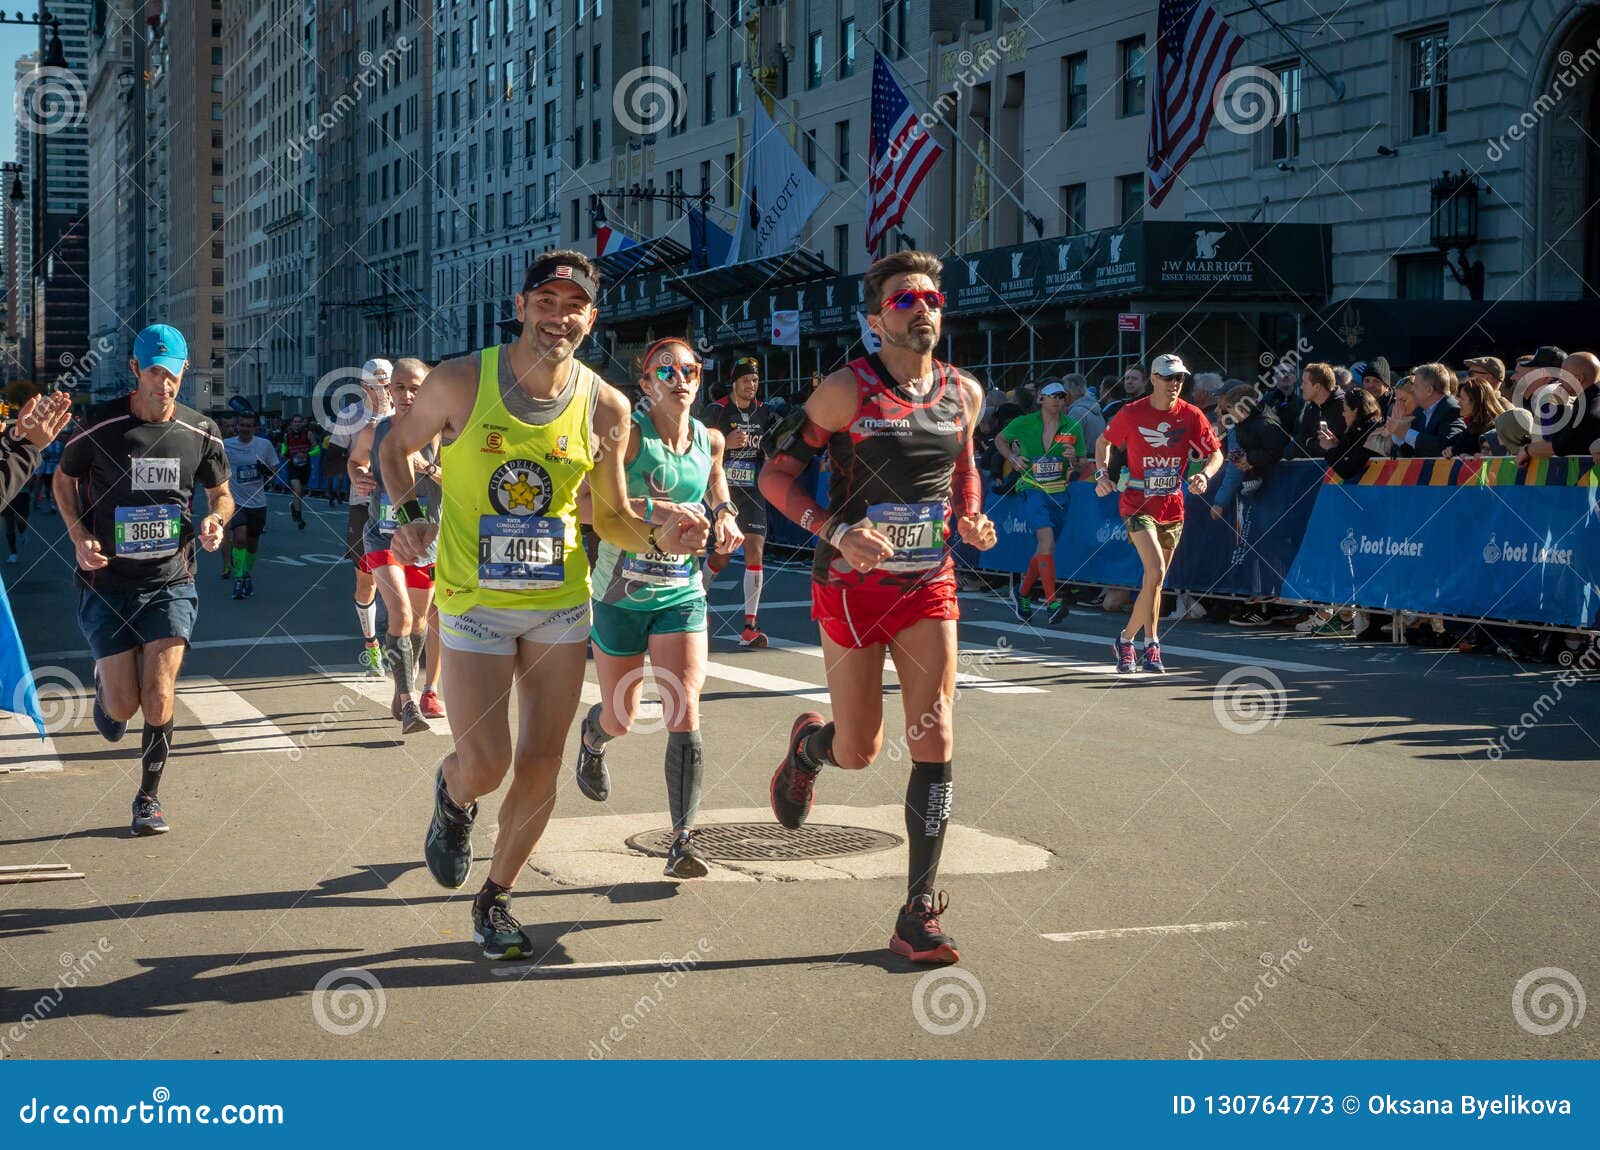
1286,847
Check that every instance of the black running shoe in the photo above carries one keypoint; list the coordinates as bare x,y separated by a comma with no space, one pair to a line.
497,931
593,778
147,816
448,845
249,586
411,720
918,935
110,729
1059,610
1021,605
238,588
684,859
791,786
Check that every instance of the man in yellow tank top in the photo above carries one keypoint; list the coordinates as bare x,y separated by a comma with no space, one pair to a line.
522,425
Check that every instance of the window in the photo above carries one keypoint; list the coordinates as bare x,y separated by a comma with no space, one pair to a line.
1285,140
847,48
1130,55
814,61
508,141
1130,198
577,149
708,99
644,49
1427,84
841,246
1074,91
895,22
808,147
549,55
1074,209
472,36
727,178
711,26
1420,276
488,151
549,125
705,171
594,67
577,74
594,140
841,147
736,89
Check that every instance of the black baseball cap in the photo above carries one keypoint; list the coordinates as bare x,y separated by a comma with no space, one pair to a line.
746,365
1548,357
550,268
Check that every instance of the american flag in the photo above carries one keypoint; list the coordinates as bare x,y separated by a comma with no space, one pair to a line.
901,154
1194,50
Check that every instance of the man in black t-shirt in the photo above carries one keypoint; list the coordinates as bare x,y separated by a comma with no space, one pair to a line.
743,420
125,487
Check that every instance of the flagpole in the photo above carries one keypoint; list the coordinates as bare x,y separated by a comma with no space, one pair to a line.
1038,224
771,102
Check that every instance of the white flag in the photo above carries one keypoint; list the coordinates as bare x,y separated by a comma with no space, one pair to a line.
786,329
869,338
778,196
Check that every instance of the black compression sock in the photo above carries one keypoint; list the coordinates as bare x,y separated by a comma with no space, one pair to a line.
816,749
153,756
928,795
685,766
487,894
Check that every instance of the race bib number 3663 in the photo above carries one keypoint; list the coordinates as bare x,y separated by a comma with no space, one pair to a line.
916,530
148,532
521,552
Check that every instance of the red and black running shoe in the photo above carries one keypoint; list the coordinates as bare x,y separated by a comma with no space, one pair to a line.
791,783
918,935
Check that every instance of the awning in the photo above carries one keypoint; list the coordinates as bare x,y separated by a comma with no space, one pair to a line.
743,280
653,255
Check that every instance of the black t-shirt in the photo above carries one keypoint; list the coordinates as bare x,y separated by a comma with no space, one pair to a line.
137,483
740,463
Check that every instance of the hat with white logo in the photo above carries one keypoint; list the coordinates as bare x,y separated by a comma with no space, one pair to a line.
376,372
1168,365
161,345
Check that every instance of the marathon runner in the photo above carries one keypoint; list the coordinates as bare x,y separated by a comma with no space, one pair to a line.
523,424
375,407
297,451
1043,446
743,421
1160,433
897,426
251,463
138,462
407,589
657,603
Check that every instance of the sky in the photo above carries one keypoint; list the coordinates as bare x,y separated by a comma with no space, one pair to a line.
15,41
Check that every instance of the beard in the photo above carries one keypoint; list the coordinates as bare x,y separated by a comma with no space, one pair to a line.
917,339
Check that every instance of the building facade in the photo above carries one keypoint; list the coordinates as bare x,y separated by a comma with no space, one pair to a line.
19,241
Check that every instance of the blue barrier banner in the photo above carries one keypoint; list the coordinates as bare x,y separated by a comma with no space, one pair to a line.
1251,549
1203,1103
18,692
1094,548
1520,554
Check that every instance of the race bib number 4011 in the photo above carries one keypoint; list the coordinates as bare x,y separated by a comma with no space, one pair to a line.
521,552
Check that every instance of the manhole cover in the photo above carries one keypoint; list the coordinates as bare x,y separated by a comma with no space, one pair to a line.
767,842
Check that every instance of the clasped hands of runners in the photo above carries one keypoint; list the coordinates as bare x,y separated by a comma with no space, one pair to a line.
864,548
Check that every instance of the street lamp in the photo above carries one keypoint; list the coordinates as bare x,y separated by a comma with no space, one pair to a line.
1453,226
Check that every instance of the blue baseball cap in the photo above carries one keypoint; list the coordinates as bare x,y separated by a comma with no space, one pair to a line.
161,345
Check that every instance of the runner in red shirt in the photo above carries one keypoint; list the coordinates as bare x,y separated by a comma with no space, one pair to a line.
1160,433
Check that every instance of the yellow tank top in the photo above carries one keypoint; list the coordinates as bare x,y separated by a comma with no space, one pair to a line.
508,531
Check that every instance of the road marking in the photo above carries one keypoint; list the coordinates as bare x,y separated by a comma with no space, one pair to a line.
966,679
21,750
233,723
243,642
776,684
1128,931
1166,648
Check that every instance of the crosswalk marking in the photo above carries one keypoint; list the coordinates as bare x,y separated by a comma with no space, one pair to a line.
777,684
1127,931
232,721
1166,648
968,680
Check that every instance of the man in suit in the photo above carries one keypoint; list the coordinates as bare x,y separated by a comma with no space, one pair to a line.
1437,419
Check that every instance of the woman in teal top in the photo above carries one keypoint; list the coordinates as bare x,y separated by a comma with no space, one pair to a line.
655,603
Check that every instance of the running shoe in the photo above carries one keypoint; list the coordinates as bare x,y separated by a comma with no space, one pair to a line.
1124,654
1059,610
238,588
791,786
227,572
249,586
429,705
1152,659
497,931
1021,605
372,659
684,859
1317,619
147,816
752,636
1333,625
918,935
110,729
411,720
1250,617
448,845
593,778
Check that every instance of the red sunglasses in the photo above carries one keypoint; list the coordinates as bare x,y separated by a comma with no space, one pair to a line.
906,300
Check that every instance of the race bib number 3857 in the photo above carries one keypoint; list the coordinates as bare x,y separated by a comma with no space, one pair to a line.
916,531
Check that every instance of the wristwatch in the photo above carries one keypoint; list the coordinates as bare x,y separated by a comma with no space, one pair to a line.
724,507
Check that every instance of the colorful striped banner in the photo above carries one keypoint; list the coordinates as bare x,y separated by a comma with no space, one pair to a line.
1499,471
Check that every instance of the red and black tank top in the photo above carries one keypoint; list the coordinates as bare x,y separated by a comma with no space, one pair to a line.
893,466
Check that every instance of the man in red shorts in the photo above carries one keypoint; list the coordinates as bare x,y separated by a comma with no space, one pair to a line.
1160,433
897,427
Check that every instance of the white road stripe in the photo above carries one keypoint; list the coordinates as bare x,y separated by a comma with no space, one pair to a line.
242,643
777,684
233,723
21,751
1128,931
1166,648
966,679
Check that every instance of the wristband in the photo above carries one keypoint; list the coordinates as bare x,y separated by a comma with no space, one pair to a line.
649,510
724,506
651,540
838,533
410,512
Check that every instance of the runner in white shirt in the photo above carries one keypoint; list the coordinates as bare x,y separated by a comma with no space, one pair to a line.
251,462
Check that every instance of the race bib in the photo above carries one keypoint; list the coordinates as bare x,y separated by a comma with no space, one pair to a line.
1160,480
148,532
247,474
658,568
155,474
299,460
1047,469
916,531
521,552
387,520
741,472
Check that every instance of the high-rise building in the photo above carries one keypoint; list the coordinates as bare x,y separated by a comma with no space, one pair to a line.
337,147
19,243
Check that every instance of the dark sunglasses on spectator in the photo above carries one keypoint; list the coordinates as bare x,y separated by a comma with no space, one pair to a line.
906,300
689,371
